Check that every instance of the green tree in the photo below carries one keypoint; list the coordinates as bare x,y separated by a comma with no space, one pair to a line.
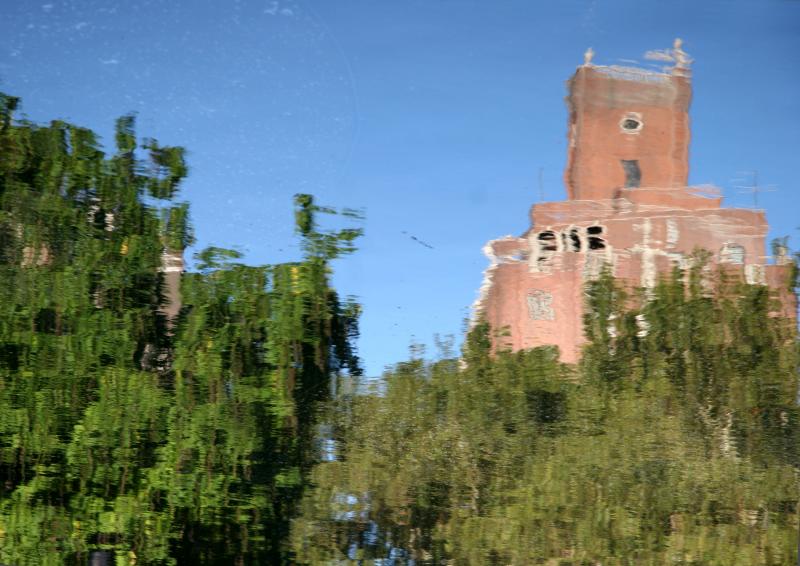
674,441
123,433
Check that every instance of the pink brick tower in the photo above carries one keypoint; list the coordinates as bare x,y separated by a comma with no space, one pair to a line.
628,205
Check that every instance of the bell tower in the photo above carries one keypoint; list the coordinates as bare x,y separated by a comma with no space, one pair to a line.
628,127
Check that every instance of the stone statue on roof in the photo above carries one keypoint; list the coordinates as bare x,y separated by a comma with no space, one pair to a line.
587,57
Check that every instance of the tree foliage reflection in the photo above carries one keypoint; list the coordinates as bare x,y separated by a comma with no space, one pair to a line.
674,441
125,436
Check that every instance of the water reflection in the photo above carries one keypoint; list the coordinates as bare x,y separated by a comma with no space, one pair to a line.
150,416
686,453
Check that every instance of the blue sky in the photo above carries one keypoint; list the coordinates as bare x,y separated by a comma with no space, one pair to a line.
435,117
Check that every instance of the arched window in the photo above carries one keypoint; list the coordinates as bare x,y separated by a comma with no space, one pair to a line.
547,246
596,241
547,241
732,253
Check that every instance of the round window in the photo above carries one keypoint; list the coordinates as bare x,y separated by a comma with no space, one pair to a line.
631,123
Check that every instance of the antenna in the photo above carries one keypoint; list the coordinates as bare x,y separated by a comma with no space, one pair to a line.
755,189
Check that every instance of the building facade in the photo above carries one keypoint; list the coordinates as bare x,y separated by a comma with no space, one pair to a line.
628,206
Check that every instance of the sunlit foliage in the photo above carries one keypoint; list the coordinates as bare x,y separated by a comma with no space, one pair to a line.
674,442
126,437
129,438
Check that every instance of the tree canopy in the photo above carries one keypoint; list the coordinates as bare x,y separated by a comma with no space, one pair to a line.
122,433
676,440
240,430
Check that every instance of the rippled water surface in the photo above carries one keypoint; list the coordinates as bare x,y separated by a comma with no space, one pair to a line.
692,460
167,400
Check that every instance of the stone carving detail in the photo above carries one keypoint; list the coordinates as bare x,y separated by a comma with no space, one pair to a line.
540,305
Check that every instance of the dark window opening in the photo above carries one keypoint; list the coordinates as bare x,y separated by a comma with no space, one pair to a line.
595,241
631,124
547,241
633,176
